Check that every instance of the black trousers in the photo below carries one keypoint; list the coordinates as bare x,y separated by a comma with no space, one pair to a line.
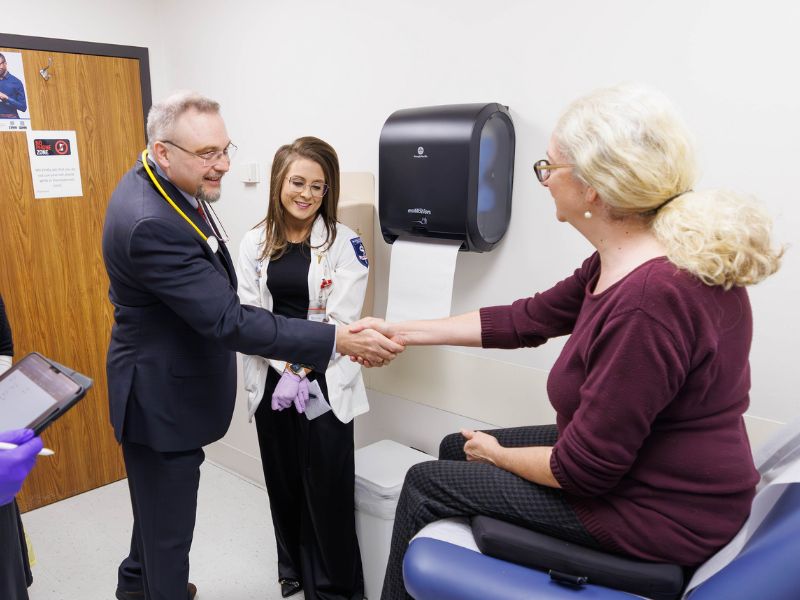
310,474
163,487
14,571
453,487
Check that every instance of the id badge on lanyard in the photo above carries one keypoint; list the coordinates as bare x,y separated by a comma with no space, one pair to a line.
316,313
317,306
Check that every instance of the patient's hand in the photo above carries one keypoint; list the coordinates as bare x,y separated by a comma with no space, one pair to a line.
480,446
387,329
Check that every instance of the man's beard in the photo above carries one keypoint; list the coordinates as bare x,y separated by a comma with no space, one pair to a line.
208,196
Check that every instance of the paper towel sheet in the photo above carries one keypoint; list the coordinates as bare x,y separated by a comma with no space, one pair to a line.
421,279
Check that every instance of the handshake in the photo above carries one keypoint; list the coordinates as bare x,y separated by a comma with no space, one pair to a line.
371,342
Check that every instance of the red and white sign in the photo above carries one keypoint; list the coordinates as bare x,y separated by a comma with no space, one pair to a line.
55,168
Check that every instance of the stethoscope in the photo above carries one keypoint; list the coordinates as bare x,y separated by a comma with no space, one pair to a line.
212,241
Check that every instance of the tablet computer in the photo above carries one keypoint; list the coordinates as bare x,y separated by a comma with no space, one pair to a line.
36,391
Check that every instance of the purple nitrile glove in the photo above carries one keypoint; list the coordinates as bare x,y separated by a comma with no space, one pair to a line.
16,464
286,391
302,396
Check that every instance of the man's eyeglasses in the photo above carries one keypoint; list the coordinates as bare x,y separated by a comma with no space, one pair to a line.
211,157
543,167
297,185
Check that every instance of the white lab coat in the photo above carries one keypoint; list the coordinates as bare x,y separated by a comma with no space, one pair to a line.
340,303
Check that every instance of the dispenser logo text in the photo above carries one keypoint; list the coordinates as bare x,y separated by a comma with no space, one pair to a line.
419,211
44,147
420,153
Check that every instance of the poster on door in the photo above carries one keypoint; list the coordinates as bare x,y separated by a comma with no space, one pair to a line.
55,167
14,115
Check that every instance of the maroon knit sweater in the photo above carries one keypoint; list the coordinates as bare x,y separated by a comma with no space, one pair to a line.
649,392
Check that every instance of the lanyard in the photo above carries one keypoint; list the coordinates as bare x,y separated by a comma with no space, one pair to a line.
167,198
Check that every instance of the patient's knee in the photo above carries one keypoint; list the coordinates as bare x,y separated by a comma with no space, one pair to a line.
419,477
452,447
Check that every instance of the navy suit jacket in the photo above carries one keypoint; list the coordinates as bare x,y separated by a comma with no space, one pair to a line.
178,322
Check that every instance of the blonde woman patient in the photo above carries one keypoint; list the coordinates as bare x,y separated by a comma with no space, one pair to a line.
300,262
649,456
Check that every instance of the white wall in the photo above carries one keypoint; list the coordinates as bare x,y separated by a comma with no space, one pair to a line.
110,22
338,69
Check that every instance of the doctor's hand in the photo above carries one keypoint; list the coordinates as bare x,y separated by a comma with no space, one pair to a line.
367,345
16,464
286,390
480,446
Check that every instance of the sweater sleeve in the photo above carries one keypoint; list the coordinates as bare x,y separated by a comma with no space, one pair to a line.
635,368
530,322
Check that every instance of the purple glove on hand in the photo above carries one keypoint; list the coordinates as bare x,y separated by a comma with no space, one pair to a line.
16,464
302,396
285,391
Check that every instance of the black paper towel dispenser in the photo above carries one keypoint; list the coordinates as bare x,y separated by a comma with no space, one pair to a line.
447,172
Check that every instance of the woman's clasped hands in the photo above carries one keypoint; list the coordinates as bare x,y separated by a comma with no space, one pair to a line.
291,389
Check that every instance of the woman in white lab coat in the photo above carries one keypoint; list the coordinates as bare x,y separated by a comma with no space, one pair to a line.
300,262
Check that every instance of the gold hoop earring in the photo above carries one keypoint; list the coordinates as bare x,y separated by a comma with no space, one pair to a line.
587,214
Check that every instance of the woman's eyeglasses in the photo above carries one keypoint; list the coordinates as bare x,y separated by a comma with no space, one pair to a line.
297,185
543,167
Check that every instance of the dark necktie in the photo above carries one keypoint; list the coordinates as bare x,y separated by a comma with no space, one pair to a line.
202,212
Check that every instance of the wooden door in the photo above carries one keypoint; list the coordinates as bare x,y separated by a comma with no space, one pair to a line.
52,276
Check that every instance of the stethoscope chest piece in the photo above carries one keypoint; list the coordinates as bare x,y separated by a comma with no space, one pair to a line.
213,243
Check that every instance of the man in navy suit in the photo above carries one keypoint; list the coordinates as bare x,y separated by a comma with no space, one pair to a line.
178,324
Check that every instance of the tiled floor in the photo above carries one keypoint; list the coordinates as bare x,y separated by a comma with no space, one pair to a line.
79,542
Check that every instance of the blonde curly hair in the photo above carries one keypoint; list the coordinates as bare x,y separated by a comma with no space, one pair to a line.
629,144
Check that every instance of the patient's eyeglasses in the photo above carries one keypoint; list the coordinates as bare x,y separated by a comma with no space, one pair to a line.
297,185
543,167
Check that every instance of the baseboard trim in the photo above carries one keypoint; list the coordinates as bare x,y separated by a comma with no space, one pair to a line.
235,460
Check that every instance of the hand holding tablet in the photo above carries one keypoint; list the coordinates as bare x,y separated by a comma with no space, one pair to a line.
36,391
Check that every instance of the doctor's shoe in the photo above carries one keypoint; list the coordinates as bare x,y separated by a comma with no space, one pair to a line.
191,590
289,587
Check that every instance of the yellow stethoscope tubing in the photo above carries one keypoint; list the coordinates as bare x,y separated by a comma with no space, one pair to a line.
167,198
